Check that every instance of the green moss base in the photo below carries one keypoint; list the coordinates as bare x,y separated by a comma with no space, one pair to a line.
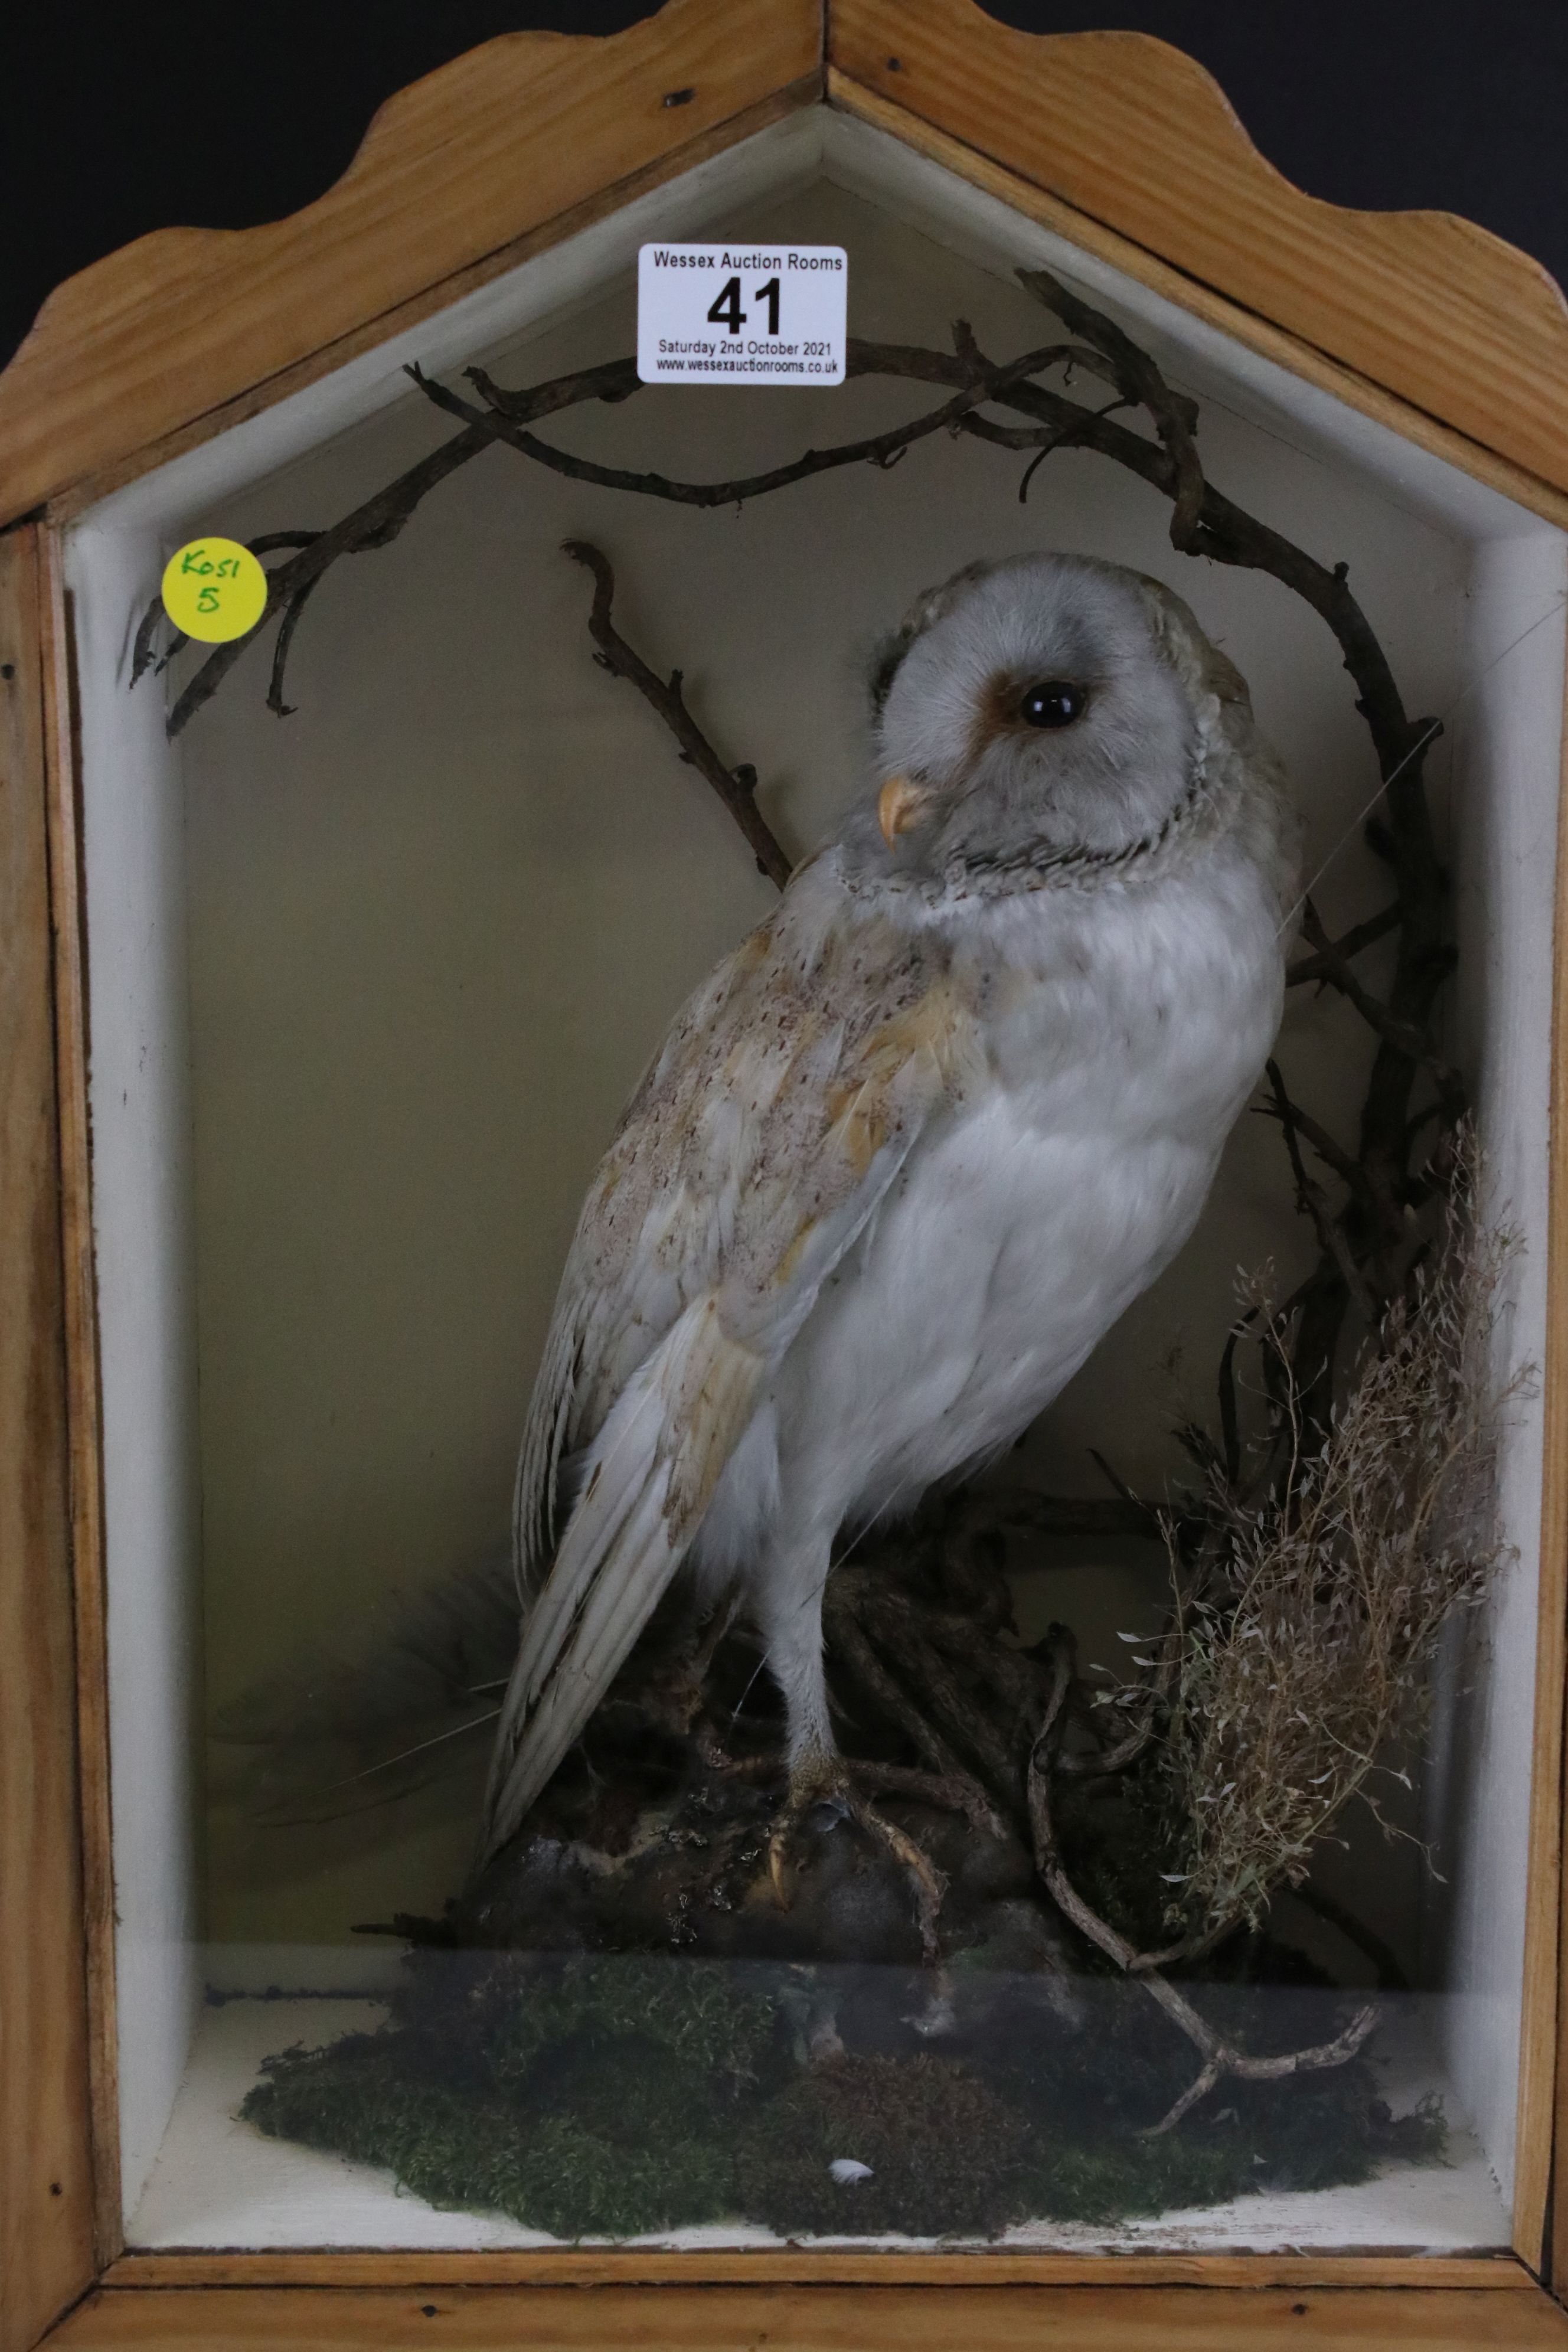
619,2096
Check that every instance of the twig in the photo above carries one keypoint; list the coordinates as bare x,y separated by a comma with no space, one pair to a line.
1229,1417
883,449
145,655
378,521
1363,935
1063,437
1310,1195
1332,1153
286,626
374,524
1176,420
1220,2057
886,1614
736,787
1332,966
1115,1478
848,1641
955,1792
1013,1509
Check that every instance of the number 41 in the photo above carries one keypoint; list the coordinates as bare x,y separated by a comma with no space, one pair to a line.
727,312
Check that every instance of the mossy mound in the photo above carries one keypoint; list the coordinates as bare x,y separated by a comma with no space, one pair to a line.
620,2095
946,2156
594,2098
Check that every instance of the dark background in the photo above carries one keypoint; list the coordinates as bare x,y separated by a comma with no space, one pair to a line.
117,121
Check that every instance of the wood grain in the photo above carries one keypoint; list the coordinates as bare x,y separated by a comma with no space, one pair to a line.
632,2266
129,464
818,2319
452,171
1133,133
80,1310
1254,333
512,147
46,2175
1543,2156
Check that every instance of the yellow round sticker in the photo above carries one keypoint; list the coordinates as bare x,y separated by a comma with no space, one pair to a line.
213,589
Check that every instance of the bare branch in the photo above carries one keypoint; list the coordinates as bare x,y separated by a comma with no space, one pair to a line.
374,524
1140,382
1014,1509
377,522
1310,1197
881,449
1220,2057
286,626
848,1641
1063,437
956,1792
145,654
736,787
1332,966
1363,935
1229,1420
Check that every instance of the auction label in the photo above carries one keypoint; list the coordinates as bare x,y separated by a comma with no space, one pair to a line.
213,589
741,313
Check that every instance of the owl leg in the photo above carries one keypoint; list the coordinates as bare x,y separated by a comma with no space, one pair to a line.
788,1600
788,1603
789,1609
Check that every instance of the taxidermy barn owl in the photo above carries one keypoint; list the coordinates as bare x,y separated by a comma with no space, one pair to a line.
912,1149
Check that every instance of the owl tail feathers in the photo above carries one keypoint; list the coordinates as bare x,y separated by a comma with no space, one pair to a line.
649,1475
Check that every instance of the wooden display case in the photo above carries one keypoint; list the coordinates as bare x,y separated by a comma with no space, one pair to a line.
1397,377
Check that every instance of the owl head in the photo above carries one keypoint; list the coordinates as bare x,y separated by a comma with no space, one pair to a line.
1049,700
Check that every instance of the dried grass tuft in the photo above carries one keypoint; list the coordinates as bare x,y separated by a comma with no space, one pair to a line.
1302,1651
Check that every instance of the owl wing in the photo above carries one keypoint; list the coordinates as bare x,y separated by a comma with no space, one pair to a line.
782,1106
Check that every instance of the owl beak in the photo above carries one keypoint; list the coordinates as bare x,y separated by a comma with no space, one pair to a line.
899,804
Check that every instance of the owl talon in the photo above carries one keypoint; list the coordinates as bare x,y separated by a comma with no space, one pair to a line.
782,1895
808,1789
836,1796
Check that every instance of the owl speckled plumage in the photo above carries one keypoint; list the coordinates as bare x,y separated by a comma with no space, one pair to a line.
910,1151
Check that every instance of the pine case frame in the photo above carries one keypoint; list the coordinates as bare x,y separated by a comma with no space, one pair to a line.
1126,147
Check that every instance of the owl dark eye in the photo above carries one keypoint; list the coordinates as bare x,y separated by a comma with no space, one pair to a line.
1056,702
